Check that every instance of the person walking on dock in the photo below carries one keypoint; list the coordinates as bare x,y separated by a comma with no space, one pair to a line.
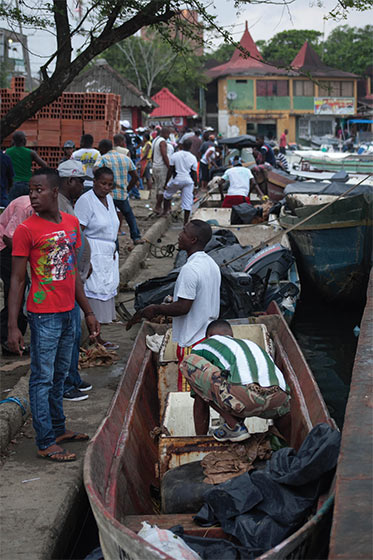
161,152
181,176
122,167
48,241
283,141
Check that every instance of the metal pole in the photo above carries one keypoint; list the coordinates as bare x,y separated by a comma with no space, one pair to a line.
26,56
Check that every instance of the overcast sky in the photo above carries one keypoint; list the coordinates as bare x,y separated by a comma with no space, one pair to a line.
264,21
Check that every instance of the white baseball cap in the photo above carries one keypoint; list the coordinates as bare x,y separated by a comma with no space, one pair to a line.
72,168
125,124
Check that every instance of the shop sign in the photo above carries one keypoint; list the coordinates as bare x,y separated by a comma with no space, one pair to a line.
334,106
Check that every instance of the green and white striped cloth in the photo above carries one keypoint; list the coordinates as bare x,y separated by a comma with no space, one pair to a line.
245,361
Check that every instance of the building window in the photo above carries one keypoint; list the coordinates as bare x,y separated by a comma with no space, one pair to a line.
336,89
272,88
321,127
303,88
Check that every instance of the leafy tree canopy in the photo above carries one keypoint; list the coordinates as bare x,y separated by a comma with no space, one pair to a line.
349,48
284,46
104,23
153,63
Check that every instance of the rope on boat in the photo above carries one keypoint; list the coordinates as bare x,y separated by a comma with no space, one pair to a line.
286,231
159,252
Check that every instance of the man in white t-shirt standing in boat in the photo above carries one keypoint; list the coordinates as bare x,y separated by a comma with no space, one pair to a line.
196,299
241,180
182,176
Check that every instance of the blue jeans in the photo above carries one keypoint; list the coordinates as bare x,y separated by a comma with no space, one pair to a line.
125,208
52,340
73,379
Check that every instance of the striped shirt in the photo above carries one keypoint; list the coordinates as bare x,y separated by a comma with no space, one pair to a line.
245,361
120,166
284,162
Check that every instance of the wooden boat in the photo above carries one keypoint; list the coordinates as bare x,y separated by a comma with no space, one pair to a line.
334,248
335,161
276,183
124,462
256,234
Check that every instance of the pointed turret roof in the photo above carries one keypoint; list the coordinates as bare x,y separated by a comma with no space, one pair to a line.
170,106
307,60
240,64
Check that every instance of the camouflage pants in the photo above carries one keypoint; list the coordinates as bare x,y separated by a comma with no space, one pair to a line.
240,400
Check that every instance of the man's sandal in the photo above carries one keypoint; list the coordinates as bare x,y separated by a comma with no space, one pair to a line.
61,456
72,436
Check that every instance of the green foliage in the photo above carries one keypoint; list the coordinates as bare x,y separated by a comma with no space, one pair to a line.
222,54
153,64
284,46
349,48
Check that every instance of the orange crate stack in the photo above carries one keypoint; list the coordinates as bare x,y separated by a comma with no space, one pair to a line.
71,130
72,106
67,118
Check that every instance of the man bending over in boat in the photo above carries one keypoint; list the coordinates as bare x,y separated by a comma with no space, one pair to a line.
237,379
196,299
241,180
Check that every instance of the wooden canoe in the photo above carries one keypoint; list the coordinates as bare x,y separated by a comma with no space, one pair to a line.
123,460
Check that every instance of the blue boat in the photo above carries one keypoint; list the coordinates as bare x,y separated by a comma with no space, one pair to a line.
334,248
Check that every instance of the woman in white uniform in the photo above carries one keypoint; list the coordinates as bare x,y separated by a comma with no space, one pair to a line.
98,218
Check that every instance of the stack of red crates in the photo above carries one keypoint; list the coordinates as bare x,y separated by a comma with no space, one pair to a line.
67,118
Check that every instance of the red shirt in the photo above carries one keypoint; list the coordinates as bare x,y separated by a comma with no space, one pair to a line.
50,248
283,140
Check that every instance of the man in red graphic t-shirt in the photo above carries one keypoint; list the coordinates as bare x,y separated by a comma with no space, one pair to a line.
48,241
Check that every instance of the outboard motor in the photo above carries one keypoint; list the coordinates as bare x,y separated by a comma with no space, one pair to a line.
272,266
275,258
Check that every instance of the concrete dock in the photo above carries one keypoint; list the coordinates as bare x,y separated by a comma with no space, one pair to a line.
351,537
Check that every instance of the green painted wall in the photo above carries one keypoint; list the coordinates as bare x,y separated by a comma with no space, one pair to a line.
303,103
272,103
244,94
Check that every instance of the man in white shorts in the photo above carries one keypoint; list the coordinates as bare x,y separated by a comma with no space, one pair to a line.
181,176
161,152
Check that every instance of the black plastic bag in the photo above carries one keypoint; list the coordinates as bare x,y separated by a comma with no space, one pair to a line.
243,213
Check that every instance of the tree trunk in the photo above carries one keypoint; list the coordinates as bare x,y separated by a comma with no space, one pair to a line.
65,71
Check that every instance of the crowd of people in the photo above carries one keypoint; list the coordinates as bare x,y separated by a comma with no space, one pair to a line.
63,224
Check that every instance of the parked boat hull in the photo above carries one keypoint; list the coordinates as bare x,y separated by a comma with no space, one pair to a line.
119,467
334,249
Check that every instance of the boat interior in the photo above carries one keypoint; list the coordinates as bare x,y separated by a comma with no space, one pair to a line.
149,427
247,234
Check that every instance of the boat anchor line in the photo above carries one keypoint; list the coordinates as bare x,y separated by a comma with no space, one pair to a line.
263,244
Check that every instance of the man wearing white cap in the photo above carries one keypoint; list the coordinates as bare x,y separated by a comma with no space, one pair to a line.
72,176
132,139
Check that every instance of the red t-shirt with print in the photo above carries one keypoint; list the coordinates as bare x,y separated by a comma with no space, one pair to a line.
50,248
